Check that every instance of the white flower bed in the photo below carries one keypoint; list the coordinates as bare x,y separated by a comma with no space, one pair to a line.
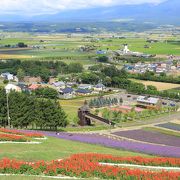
44,138
13,142
40,176
142,167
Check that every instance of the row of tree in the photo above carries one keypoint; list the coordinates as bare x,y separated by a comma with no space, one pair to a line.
46,92
102,102
151,76
44,69
29,111
118,117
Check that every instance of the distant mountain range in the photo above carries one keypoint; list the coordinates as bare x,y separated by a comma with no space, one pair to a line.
167,12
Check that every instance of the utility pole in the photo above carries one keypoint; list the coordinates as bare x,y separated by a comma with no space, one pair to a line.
8,116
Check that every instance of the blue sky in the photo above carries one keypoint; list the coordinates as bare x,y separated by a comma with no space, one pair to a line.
36,7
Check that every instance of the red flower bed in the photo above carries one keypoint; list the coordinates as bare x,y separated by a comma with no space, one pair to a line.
12,137
32,135
157,161
85,166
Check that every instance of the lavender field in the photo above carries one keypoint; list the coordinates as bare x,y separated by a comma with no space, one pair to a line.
119,144
171,126
151,137
152,149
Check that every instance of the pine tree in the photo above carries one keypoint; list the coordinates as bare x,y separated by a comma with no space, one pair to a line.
3,107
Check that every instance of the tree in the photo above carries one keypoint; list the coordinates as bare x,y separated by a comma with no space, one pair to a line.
103,59
26,110
121,101
21,108
75,68
20,74
89,78
110,71
5,81
151,88
21,45
49,114
3,107
46,92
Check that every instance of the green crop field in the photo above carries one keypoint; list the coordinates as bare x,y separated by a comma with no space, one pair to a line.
61,46
137,44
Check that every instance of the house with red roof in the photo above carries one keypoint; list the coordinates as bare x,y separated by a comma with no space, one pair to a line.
33,87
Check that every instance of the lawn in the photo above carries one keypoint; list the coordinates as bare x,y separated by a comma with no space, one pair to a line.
159,85
54,148
71,106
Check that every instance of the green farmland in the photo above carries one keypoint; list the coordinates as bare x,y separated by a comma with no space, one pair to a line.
68,49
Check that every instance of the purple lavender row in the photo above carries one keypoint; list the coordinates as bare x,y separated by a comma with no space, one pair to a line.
171,126
160,150
120,144
150,136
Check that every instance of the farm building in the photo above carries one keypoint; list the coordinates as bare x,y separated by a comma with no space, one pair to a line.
12,87
148,102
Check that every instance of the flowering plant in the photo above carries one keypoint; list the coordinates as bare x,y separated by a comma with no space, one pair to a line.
32,135
84,166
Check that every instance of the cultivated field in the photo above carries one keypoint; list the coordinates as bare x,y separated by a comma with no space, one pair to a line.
159,85
68,48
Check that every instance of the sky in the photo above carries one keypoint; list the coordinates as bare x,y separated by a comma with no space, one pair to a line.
39,7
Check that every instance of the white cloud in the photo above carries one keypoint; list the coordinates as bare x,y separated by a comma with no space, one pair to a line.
32,7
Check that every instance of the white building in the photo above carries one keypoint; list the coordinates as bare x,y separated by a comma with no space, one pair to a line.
8,76
12,87
126,50
85,86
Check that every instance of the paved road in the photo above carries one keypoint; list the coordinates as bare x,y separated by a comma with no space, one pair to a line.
141,124
156,120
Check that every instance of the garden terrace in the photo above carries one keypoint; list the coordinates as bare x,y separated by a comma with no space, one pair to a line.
138,160
31,135
13,138
83,166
